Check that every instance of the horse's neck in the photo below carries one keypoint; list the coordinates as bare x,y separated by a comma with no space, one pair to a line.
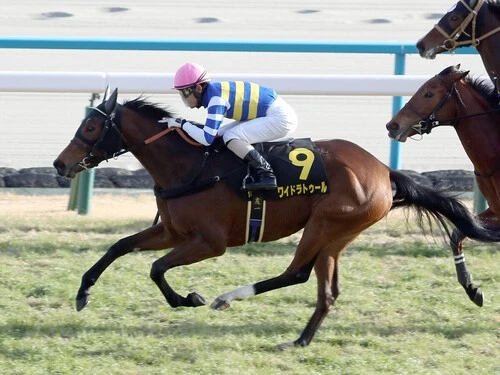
479,135
488,52
488,48
169,159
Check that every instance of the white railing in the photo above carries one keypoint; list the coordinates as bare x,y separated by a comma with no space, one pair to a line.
152,83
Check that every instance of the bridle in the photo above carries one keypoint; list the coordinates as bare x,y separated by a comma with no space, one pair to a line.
451,42
430,122
111,142
426,124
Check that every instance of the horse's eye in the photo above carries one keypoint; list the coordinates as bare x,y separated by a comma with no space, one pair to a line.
90,128
454,18
428,94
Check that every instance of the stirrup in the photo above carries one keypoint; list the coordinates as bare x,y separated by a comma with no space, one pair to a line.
259,185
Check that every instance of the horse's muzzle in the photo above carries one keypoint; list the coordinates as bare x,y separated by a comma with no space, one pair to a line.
393,128
62,170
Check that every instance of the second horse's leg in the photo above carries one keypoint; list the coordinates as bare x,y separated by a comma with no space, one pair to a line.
464,277
326,269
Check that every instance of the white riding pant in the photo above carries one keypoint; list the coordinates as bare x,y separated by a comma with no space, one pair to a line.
280,121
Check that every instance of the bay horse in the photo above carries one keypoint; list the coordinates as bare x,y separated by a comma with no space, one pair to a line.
473,23
470,105
199,220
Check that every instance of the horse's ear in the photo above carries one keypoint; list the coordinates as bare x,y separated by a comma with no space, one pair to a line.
106,94
458,75
110,105
464,74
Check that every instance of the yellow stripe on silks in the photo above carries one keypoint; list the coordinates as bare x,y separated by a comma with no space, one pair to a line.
224,90
254,101
247,226
238,100
263,224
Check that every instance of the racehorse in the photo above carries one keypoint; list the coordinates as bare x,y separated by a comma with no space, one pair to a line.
453,98
202,214
468,23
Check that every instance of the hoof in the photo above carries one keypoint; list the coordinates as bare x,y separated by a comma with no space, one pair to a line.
81,303
476,295
219,304
478,298
196,299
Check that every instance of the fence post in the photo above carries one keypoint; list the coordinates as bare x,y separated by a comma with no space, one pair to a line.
82,186
85,190
397,104
480,203
73,193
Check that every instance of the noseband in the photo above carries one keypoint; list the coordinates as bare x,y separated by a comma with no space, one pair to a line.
451,42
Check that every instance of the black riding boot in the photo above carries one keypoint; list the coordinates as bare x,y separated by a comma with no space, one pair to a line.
262,173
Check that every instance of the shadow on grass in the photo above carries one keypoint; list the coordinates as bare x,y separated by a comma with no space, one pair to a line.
198,329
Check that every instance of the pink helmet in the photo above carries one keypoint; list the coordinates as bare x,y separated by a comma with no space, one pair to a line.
190,74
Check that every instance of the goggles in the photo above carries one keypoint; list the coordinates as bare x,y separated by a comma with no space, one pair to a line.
186,92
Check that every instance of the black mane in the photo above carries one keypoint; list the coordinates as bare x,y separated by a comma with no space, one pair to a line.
485,88
154,111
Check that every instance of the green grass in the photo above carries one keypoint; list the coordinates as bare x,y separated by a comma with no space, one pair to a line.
401,310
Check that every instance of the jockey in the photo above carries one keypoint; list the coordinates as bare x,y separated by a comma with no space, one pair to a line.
260,115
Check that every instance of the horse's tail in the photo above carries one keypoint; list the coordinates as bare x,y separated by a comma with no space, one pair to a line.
429,202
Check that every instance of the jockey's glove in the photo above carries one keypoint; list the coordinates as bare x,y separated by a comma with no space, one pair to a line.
172,122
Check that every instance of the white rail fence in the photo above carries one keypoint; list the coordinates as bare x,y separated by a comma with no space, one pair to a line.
158,83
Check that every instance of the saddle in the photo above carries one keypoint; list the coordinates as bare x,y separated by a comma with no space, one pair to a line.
297,164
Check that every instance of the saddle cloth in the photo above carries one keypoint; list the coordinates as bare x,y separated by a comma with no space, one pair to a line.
298,167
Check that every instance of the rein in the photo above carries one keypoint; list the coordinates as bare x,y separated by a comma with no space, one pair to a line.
150,139
451,42
113,147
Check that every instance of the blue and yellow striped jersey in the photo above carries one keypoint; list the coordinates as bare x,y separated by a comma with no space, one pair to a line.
238,100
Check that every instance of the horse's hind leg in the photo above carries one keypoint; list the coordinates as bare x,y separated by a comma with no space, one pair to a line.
297,272
464,277
153,238
326,268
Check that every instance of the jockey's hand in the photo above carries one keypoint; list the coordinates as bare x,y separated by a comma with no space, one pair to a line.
172,122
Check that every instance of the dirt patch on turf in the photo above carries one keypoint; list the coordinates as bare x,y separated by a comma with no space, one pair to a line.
137,206
143,206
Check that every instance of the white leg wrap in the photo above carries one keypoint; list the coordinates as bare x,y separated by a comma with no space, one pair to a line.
459,258
238,294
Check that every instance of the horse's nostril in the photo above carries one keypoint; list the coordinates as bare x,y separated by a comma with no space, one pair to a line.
59,166
392,126
420,46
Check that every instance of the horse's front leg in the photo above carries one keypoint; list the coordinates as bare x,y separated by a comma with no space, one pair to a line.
153,238
192,250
